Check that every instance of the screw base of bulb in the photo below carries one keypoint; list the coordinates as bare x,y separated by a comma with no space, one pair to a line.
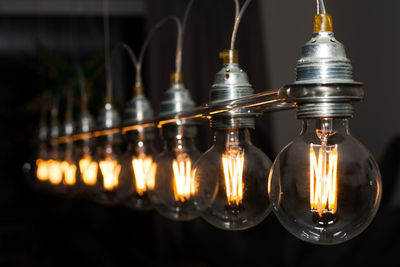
325,110
226,122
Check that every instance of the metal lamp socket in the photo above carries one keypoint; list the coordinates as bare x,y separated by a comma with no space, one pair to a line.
324,85
231,82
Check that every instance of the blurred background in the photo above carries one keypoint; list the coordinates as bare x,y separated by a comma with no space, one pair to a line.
42,41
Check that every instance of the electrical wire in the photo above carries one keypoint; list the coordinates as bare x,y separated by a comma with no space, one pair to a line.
181,33
138,62
321,7
238,17
82,89
107,52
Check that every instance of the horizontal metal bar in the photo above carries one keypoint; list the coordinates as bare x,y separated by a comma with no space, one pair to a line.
264,102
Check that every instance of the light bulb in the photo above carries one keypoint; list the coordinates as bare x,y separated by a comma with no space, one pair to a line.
139,168
54,165
139,165
42,169
88,169
232,181
69,168
83,153
109,188
175,186
325,186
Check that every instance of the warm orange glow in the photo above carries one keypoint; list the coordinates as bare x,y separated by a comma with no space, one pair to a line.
110,170
144,169
184,185
69,172
42,171
88,169
232,162
323,179
55,171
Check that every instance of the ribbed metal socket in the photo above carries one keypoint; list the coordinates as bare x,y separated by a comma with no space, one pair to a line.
85,123
108,117
171,131
176,99
231,82
323,60
325,110
324,85
137,110
68,128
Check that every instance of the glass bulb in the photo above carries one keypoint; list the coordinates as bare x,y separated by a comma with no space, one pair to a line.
232,177
54,165
87,167
110,189
139,169
325,186
174,184
42,163
68,166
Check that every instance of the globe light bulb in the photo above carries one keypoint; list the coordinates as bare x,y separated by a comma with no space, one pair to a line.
175,186
139,165
325,186
88,169
139,168
84,151
68,164
232,181
110,189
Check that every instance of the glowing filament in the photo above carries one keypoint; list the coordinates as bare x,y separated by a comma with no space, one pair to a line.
42,171
110,170
144,170
323,179
88,169
184,185
55,171
69,172
232,162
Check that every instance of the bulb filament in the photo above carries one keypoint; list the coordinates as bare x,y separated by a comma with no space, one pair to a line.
42,171
69,172
55,171
144,169
110,170
232,162
323,179
184,185
88,169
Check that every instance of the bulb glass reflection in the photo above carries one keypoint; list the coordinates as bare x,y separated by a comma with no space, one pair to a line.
325,186
139,169
110,189
232,181
175,185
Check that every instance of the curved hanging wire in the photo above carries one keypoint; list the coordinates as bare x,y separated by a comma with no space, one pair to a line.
238,16
107,51
137,62
321,7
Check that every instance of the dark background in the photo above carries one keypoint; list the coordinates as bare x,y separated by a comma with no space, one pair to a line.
39,50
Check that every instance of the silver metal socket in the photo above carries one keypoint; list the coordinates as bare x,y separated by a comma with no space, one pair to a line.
231,82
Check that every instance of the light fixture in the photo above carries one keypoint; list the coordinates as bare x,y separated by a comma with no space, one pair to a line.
138,165
42,164
54,164
68,164
175,186
325,186
85,144
232,175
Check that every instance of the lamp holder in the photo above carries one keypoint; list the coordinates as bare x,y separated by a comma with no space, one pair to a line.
231,82
324,85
